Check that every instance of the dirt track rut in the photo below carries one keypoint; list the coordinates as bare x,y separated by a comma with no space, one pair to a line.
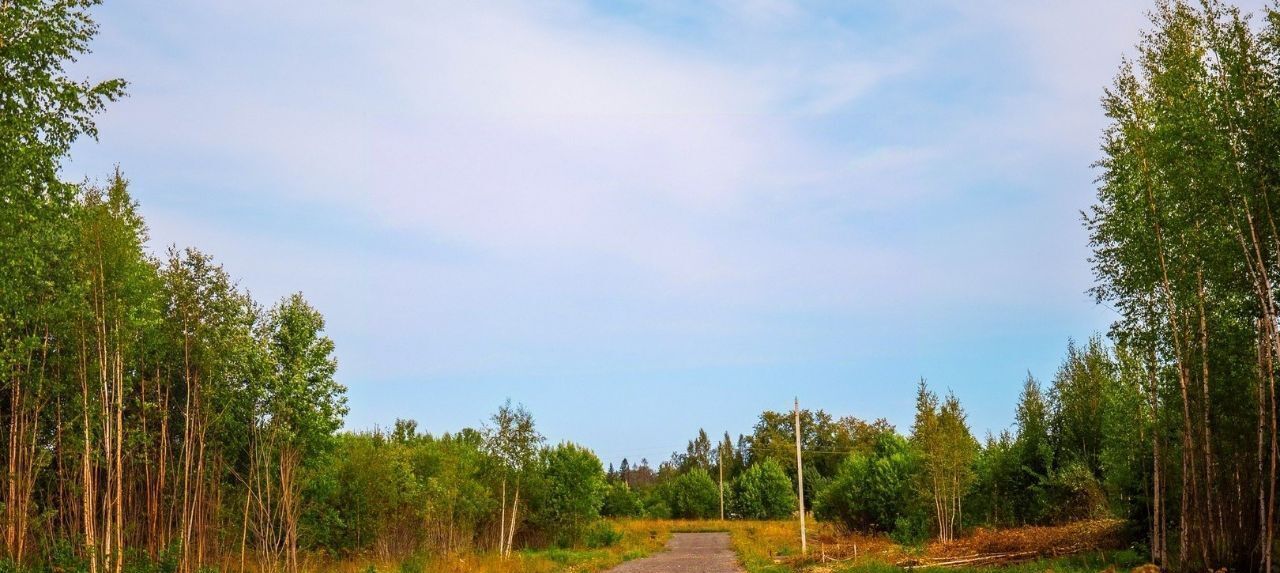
688,553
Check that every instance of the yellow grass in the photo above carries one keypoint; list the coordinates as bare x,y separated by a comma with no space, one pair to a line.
762,546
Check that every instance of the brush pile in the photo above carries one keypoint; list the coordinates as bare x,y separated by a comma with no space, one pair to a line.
1006,546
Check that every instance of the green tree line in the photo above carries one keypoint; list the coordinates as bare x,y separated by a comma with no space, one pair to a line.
1075,452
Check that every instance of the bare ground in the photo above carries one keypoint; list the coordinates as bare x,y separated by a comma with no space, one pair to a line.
688,553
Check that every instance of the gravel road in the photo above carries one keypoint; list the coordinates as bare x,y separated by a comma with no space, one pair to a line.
688,553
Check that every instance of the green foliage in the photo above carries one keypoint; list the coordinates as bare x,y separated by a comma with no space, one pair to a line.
1125,457
414,563
1033,451
1077,396
998,474
656,505
1077,494
601,534
621,501
512,439
828,439
872,491
574,487
694,495
1183,234
166,561
947,453
302,401
43,110
763,491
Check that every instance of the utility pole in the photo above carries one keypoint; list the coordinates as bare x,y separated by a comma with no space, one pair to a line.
804,546
721,464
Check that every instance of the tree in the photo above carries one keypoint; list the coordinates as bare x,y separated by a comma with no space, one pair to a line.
42,112
621,501
1033,451
947,452
302,407
209,328
1183,236
513,440
1077,398
694,495
763,491
575,490
873,491
698,454
996,498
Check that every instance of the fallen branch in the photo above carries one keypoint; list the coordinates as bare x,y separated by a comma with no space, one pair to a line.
970,560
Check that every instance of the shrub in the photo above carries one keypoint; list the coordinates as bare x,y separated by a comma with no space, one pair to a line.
656,506
574,491
601,534
1077,494
414,563
872,492
763,491
694,495
621,501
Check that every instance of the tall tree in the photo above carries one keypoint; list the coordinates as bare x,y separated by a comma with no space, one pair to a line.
514,441
42,112
1184,241
303,406
947,454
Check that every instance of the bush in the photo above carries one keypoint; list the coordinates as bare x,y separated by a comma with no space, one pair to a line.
138,561
873,492
621,501
414,563
601,534
763,491
1077,494
574,491
911,528
656,506
694,495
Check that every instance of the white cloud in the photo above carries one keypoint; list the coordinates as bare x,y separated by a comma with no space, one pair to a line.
604,177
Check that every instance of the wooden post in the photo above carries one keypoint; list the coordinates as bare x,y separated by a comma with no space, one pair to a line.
804,548
721,464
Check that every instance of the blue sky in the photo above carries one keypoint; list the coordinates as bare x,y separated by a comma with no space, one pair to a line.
637,218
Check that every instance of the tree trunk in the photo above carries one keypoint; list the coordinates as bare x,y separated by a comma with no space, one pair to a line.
515,506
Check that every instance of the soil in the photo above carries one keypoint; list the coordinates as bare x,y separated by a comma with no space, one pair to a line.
688,553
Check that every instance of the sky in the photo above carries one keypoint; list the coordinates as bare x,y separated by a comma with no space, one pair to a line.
637,218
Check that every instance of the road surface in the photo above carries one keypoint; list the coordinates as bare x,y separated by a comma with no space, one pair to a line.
688,553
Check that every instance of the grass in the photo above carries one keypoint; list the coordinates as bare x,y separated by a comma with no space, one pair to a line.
761,546
639,539
774,547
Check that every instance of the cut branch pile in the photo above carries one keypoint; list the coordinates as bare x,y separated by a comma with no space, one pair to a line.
1007,546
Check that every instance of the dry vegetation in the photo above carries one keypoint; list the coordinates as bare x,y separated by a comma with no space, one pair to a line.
773,547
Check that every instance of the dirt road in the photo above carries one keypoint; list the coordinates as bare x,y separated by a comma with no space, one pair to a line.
688,553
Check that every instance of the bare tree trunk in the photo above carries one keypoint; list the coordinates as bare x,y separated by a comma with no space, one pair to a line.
119,457
244,528
1264,372
90,545
1188,470
502,521
515,506
1213,512
1158,553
